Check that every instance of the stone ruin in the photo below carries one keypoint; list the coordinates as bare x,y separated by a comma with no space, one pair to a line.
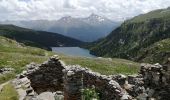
152,82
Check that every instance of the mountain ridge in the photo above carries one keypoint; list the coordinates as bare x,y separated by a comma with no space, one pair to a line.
133,35
40,39
78,28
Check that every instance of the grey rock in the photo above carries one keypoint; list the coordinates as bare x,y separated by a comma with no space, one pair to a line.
126,97
70,73
151,92
142,96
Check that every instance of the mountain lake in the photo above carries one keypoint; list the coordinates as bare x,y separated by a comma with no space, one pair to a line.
73,51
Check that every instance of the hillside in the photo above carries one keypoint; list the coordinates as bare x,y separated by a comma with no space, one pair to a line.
14,54
17,55
37,38
135,34
158,52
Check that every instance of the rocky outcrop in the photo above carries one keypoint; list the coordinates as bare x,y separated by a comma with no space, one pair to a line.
152,82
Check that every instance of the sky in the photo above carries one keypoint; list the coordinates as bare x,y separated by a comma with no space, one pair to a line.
116,10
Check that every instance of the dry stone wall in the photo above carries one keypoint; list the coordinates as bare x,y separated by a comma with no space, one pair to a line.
77,78
152,82
156,80
47,76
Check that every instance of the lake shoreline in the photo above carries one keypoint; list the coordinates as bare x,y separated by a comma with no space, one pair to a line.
73,51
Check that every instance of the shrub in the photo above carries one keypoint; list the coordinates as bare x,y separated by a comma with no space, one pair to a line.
90,94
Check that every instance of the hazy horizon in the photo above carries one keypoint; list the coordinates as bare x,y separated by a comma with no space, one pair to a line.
115,10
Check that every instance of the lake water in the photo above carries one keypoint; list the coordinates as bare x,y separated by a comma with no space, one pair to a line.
73,51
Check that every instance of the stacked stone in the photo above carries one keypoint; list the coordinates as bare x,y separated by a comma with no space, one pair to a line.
47,76
24,88
156,80
105,85
135,85
132,85
153,81
77,78
73,82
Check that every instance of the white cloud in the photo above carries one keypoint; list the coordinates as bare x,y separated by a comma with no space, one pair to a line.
54,9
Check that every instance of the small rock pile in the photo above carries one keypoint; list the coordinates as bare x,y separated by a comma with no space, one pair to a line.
6,70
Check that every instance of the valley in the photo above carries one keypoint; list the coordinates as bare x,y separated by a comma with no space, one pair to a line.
17,55
40,39
86,58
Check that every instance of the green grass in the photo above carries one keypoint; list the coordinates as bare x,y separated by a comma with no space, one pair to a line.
135,34
18,60
104,65
17,55
8,93
6,77
159,52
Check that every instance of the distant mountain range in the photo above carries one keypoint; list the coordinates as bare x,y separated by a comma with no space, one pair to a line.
144,38
40,39
85,29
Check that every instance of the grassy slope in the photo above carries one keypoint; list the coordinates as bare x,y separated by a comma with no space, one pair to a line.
105,66
8,93
16,55
135,34
13,54
158,52
6,77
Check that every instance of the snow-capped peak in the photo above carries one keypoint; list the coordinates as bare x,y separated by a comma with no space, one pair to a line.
66,19
94,17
